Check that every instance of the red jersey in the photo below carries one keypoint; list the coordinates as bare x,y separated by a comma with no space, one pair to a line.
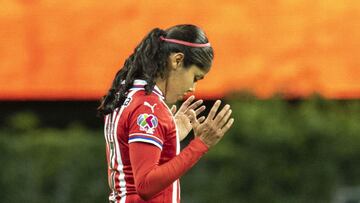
141,139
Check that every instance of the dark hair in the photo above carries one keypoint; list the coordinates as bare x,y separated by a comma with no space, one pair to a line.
149,61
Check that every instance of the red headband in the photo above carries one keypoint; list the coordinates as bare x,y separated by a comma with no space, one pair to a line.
176,41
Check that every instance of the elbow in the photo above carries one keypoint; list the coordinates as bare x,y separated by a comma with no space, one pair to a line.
144,192
144,195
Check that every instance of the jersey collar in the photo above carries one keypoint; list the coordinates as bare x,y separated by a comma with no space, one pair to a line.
141,84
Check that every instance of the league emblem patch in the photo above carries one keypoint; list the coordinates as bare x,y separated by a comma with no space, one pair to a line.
147,122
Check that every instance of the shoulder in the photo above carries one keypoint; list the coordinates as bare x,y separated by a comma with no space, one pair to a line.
139,101
147,116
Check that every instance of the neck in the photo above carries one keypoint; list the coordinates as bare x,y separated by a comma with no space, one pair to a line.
162,85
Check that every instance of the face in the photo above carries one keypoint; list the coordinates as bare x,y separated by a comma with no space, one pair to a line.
181,80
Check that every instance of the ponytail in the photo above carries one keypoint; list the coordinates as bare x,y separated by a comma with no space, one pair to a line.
147,63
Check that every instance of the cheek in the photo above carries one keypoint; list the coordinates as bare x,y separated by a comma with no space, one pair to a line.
177,83
186,82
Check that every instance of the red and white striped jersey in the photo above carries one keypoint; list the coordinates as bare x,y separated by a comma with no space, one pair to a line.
146,119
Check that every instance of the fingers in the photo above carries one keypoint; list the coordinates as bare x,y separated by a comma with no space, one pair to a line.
173,109
187,102
195,105
201,119
213,110
225,118
227,126
200,110
219,117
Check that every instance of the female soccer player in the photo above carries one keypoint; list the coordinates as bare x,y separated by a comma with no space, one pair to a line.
142,135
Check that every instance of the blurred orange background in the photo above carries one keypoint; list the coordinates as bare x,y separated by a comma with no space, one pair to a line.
72,49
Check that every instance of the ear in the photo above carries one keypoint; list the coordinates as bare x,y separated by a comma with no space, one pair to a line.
176,60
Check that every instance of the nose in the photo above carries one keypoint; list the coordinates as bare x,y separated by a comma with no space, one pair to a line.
192,89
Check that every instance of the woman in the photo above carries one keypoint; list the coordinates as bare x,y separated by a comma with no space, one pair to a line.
142,135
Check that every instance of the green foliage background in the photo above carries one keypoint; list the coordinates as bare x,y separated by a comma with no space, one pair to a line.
277,151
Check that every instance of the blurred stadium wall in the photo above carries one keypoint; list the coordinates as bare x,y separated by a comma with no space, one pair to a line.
290,70
72,49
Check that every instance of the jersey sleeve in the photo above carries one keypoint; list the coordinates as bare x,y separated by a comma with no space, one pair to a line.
148,123
150,177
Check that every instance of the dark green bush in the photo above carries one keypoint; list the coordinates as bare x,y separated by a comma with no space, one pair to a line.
51,165
277,151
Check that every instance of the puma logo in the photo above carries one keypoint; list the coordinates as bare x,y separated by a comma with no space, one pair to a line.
151,107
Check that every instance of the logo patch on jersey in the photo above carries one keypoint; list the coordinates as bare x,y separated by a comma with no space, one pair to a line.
147,122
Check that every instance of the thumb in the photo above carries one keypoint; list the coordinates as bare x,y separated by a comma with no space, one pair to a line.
173,109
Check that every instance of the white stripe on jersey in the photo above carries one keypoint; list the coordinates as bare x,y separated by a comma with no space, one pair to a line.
109,129
120,168
111,141
147,141
147,135
174,193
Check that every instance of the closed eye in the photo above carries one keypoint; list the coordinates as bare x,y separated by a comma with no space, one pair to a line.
197,78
